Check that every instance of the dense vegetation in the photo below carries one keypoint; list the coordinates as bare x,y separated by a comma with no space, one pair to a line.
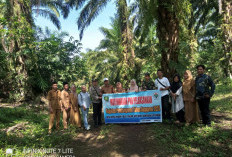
145,35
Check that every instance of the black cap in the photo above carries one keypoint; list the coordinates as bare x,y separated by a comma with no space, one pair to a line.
147,74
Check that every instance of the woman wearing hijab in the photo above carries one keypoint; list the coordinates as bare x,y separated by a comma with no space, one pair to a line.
177,98
119,88
189,91
75,117
133,86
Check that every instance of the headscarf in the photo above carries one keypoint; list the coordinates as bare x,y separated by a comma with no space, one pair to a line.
120,89
188,83
135,87
175,85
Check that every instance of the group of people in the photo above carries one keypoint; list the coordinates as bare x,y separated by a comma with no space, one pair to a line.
70,103
182,98
186,98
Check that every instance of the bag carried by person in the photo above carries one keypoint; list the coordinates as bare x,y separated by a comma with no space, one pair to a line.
170,99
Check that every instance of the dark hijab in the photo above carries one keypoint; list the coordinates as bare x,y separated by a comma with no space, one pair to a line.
175,85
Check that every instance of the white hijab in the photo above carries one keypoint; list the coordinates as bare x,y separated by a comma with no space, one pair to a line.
133,88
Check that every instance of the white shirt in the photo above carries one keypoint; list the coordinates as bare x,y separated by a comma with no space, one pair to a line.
165,82
84,99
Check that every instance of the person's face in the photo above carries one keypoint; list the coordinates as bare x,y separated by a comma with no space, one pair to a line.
186,76
66,87
83,89
74,89
159,74
118,85
106,82
200,70
147,77
54,86
95,83
176,79
132,83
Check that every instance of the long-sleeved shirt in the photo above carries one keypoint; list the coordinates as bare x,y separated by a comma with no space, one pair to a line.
204,85
65,99
54,97
84,99
95,94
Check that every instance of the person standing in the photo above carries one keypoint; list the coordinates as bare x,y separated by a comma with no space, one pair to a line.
133,86
75,117
205,88
148,83
66,105
189,92
177,98
107,88
84,101
163,85
96,97
119,88
54,107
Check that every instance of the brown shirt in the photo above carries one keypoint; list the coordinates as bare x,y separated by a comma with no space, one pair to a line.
107,89
74,100
54,98
189,90
65,98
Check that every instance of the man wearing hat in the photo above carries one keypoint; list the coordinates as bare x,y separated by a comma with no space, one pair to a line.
96,97
107,88
148,83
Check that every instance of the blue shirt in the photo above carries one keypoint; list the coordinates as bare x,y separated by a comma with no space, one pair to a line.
204,85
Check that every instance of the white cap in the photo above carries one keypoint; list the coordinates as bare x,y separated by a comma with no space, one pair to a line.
105,79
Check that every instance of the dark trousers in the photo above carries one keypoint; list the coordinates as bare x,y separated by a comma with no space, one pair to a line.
180,116
97,111
166,107
204,108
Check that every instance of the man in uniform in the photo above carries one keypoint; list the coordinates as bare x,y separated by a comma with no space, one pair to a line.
66,105
107,88
54,106
148,83
96,97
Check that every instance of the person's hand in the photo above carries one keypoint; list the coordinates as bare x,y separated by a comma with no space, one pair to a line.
192,100
51,111
99,97
75,110
207,95
136,91
84,108
161,89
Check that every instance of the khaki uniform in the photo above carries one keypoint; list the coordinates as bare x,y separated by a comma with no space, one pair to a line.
75,117
66,105
107,89
191,108
54,98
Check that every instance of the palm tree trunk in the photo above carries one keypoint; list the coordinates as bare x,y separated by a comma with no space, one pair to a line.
168,34
227,35
20,12
126,36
